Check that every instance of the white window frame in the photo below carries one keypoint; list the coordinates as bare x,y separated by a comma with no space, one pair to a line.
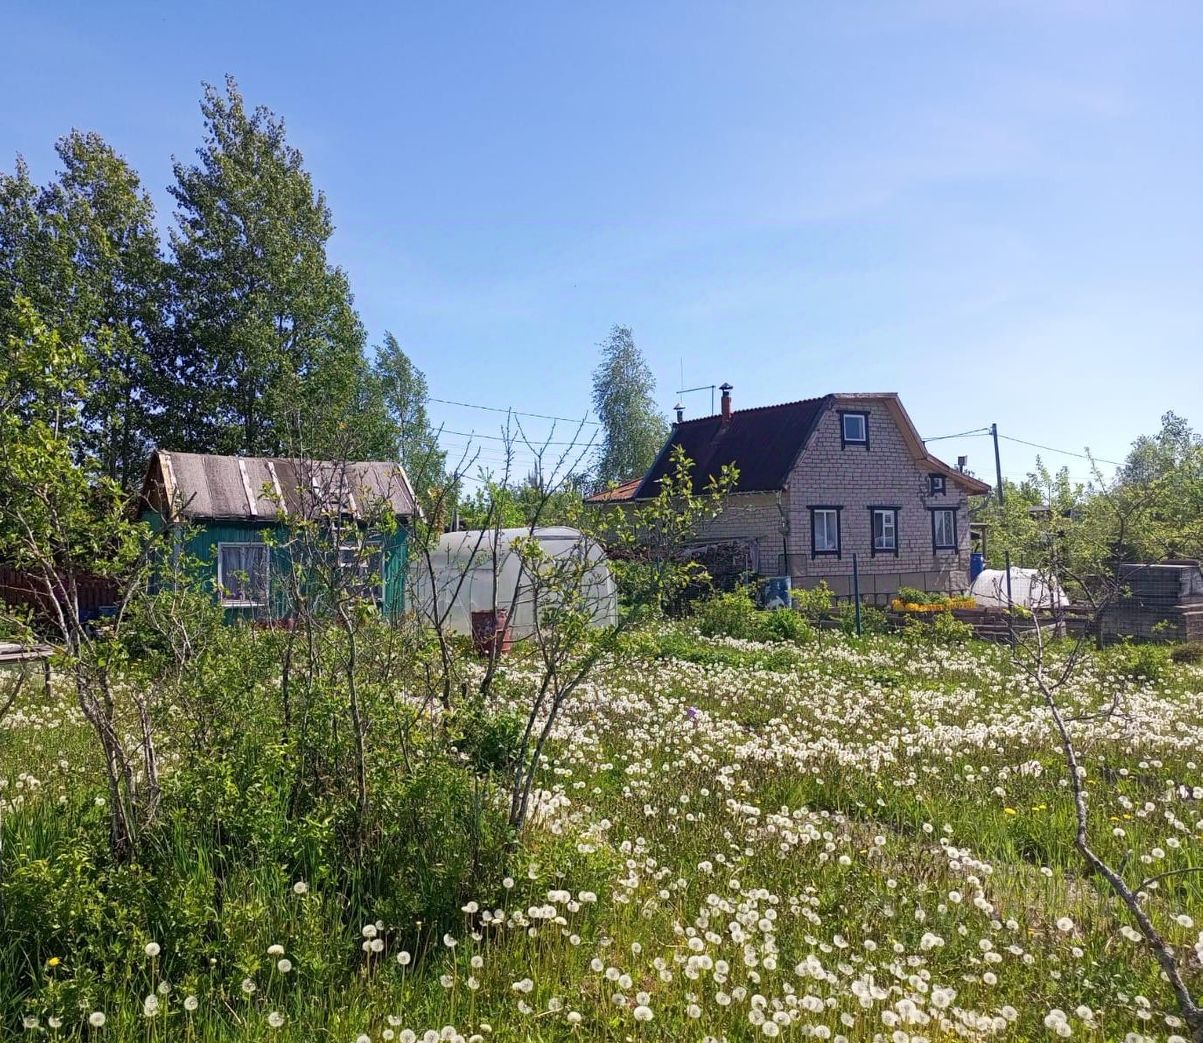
864,428
935,529
375,553
831,530
235,602
890,513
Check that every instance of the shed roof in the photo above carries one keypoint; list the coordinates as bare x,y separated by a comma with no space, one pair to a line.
199,486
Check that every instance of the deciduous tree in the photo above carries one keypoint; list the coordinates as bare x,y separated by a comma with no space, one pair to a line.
624,399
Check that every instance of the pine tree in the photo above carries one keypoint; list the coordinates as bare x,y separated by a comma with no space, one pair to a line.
623,398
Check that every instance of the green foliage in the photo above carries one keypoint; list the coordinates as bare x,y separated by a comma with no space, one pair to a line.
1190,653
84,251
873,620
405,393
490,740
1138,661
735,615
624,400
915,596
265,342
949,630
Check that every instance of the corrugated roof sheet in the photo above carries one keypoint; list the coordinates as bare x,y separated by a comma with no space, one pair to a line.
763,443
195,485
625,491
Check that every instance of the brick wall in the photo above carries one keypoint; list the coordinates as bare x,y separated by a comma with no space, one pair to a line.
855,479
754,519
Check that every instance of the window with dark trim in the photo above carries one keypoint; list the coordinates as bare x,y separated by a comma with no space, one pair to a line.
854,429
944,529
825,531
884,535
936,484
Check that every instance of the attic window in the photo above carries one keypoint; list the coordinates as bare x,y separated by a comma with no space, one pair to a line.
936,484
854,429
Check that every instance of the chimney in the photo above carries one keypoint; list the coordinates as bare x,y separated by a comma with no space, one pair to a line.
680,411
726,390
962,463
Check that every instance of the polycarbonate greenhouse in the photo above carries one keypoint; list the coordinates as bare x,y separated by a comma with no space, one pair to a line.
459,577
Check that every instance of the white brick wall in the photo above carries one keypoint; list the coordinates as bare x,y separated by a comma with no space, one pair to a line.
856,479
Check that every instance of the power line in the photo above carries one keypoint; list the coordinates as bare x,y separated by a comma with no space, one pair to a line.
980,432
1063,452
515,440
514,412
960,434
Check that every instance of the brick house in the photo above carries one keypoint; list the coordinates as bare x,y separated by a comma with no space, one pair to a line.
821,480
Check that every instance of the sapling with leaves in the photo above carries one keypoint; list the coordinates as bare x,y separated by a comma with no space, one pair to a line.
646,554
62,520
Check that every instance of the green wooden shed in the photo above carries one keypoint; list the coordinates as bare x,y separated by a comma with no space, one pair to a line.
239,517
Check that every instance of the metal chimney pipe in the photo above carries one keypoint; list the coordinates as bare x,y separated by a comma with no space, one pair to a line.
726,402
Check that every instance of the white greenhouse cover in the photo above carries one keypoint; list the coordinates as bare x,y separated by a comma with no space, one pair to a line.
1028,589
463,570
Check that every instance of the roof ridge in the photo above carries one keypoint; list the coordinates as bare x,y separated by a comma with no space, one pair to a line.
755,409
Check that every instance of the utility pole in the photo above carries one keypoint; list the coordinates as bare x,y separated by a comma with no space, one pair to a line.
1002,498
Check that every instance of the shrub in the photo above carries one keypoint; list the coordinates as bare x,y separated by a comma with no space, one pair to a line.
730,615
1191,652
1138,662
783,624
872,620
735,615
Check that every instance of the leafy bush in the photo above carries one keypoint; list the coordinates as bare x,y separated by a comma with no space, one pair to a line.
1191,653
730,615
735,615
1138,662
949,630
783,624
915,596
872,620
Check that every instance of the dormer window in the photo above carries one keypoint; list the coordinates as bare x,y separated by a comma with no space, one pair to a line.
936,484
854,429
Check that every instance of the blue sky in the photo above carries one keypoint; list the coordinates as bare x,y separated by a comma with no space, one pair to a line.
995,209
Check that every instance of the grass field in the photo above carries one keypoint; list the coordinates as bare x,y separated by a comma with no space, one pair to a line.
847,841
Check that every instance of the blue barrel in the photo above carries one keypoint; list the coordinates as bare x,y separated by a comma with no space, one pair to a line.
977,562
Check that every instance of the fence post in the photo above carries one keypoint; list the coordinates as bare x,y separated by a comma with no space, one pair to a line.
856,591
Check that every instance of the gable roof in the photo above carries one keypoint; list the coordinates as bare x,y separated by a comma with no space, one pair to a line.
765,443
198,486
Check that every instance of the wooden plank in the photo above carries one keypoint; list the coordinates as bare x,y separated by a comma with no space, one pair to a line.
246,488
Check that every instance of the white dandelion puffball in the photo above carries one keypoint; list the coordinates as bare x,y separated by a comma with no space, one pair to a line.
1065,924
153,949
300,888
275,1019
643,1013
191,1003
97,1019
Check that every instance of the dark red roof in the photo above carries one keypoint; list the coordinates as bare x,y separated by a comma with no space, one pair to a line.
625,491
763,443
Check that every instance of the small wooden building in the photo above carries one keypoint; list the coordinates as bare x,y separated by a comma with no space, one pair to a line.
1162,602
237,516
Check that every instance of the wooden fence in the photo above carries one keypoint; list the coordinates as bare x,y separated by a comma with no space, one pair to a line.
23,590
